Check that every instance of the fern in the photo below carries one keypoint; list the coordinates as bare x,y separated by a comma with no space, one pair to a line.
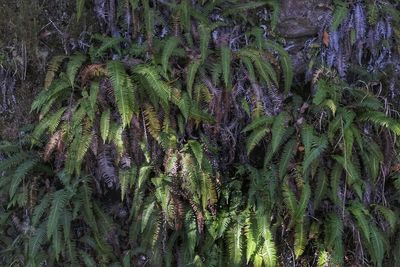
52,69
20,173
170,45
107,43
286,64
360,214
255,137
300,240
73,66
235,242
278,130
286,156
191,75
339,15
160,88
315,153
377,247
152,121
58,204
123,90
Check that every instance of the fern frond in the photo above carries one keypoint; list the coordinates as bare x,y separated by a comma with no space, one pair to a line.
36,241
205,35
160,88
263,121
300,239
268,251
255,137
191,75
289,199
40,209
322,186
123,90
390,216
339,15
278,130
286,156
360,214
152,121
303,202
106,43
20,173
52,69
170,45
380,119
286,63
74,64
235,243
377,247
105,125
353,174
315,153
59,201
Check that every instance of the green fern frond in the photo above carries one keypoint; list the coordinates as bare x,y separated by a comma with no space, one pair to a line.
353,174
159,87
360,213
170,45
377,248
300,240
205,35
36,241
106,43
14,160
263,121
286,63
339,15
126,179
268,251
255,137
390,216
191,75
275,4
235,242
52,69
152,121
251,239
123,90
303,202
380,119
59,201
333,229
20,173
74,64
289,199
278,130
286,156
321,189
105,125
315,153
307,137
335,177
40,209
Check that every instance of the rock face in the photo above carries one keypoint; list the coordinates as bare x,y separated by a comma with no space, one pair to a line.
301,21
